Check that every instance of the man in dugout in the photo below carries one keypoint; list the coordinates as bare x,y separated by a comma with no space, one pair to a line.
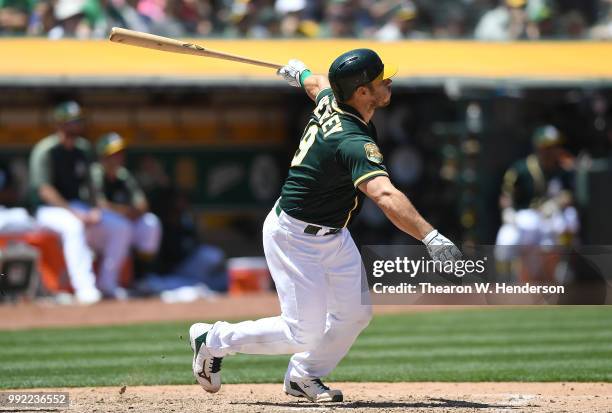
119,195
64,199
537,210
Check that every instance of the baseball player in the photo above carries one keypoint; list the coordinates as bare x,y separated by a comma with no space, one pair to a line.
120,197
313,260
537,199
61,185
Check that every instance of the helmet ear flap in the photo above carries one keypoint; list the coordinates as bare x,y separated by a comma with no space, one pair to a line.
338,93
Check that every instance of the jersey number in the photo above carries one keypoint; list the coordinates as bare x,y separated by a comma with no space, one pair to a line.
305,143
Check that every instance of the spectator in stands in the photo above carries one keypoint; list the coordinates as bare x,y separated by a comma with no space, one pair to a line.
112,13
267,25
340,16
542,21
451,24
493,19
402,25
603,29
240,18
152,10
573,26
70,20
14,16
42,18
291,17
61,187
163,17
195,16
119,195
508,21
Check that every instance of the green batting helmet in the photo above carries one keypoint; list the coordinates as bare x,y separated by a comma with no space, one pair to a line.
69,111
546,136
356,68
110,144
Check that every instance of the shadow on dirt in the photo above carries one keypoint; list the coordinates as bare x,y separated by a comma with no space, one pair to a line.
432,403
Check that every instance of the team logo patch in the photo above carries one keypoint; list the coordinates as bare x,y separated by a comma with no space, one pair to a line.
373,153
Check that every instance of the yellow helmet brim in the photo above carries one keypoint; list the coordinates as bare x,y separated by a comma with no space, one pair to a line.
388,72
114,147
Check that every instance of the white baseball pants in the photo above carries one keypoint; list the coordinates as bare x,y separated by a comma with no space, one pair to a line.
323,296
112,237
146,233
530,227
77,254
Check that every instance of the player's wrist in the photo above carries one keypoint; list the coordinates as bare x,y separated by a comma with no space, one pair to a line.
430,236
305,74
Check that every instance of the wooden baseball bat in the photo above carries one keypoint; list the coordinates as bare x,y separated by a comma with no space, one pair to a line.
165,44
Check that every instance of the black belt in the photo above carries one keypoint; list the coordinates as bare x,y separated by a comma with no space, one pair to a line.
311,229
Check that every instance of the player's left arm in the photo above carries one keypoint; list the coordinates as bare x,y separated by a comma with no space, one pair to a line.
298,75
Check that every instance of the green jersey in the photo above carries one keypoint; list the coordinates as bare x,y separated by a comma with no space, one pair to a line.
122,190
67,170
24,5
337,153
529,186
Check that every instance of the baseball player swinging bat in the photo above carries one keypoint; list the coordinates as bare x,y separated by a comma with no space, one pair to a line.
313,260
165,44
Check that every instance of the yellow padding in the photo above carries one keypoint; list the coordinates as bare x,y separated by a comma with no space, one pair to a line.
549,60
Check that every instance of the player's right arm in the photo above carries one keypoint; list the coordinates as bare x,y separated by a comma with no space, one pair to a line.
362,158
49,195
314,84
298,75
398,208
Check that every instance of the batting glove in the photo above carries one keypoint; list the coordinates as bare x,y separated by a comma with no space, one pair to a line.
441,248
292,72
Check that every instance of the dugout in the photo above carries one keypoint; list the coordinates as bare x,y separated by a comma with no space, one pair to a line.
223,133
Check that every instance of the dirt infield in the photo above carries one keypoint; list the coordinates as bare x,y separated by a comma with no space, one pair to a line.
44,313
359,397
